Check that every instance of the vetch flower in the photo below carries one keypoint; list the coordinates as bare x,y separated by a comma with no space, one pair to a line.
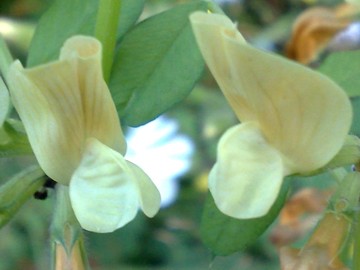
314,29
293,119
75,133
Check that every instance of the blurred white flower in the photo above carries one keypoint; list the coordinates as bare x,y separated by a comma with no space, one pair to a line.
162,153
348,39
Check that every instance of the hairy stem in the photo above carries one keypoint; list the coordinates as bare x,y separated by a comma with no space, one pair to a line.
67,238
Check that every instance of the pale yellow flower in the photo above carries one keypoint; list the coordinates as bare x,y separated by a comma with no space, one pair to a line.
75,133
294,120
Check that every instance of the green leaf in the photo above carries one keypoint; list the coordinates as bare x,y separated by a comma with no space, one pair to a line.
157,65
225,235
13,140
344,69
129,13
64,19
15,192
355,128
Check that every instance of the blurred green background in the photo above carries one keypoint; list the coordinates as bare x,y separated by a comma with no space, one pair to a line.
171,240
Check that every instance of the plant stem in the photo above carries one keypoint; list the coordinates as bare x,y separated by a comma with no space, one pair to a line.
356,252
105,31
356,233
68,245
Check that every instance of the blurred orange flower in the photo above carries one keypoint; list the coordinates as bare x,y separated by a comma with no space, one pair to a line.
322,250
315,28
299,215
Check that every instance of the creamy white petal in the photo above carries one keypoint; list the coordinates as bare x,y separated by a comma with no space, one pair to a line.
208,30
104,191
248,174
4,102
49,106
149,195
100,117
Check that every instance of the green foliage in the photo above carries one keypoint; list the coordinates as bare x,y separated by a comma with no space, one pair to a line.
129,13
344,68
14,141
157,65
15,192
355,128
225,235
76,17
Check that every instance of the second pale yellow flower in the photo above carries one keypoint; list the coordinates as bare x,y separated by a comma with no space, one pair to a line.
293,120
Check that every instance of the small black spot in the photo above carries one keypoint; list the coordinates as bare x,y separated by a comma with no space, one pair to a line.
50,183
41,194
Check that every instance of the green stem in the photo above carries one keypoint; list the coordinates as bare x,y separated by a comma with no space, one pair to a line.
356,230
67,237
356,252
105,31
5,57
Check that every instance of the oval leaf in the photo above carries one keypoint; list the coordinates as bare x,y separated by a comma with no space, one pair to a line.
355,128
157,65
344,68
64,19
129,13
225,235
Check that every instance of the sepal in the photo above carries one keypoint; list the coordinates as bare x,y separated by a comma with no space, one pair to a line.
349,153
346,198
65,228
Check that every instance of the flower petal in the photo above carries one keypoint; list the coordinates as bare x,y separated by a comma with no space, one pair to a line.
63,103
302,113
105,193
52,120
4,102
208,30
100,117
149,195
248,174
